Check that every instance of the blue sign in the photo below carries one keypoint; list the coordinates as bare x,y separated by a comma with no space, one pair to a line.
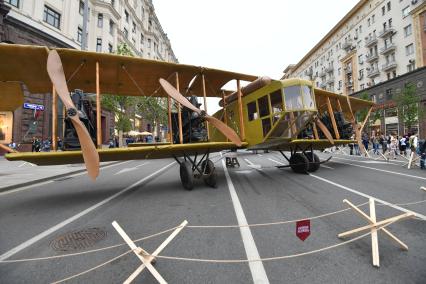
33,106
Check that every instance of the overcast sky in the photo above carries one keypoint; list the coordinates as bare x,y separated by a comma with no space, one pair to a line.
258,37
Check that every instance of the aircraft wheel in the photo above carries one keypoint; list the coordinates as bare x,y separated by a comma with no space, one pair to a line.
299,163
211,178
312,167
186,176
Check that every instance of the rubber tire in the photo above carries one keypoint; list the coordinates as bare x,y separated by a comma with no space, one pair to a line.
186,175
211,179
313,167
299,163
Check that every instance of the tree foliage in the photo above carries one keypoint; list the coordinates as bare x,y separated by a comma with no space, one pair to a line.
408,102
362,114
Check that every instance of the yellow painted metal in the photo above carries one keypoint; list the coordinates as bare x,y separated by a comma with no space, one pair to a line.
117,154
11,96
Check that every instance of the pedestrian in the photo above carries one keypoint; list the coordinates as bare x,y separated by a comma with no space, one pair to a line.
37,145
365,142
383,142
393,145
33,144
375,143
422,151
351,145
413,141
403,145
59,143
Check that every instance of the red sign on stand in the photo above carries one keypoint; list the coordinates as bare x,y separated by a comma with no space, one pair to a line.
303,229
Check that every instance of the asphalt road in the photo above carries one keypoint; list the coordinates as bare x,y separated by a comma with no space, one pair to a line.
146,197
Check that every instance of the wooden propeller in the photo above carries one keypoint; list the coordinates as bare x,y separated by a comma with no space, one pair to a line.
57,76
222,127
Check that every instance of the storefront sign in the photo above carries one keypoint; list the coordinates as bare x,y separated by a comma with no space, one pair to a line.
303,229
33,106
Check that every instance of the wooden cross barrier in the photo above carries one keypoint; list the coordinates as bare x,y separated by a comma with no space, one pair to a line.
144,256
373,227
412,161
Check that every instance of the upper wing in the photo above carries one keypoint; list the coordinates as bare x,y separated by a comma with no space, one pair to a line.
356,104
116,154
118,74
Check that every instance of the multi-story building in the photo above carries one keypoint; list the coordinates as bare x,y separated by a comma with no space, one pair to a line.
377,40
59,23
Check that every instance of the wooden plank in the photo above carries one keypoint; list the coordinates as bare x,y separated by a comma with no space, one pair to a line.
169,111
54,119
98,110
132,245
374,239
378,224
314,127
179,111
333,120
157,251
240,111
203,82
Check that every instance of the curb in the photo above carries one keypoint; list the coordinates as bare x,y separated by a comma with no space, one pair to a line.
13,186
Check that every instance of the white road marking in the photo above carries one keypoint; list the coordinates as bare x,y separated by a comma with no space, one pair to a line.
256,268
253,166
40,236
380,170
259,155
125,170
327,167
279,163
369,196
50,181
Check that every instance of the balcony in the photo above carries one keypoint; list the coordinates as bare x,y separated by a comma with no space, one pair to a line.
348,46
348,70
373,73
349,84
330,80
322,74
371,57
329,69
389,66
388,48
369,41
323,85
387,31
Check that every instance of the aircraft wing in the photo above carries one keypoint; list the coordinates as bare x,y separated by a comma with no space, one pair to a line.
117,154
118,74
289,145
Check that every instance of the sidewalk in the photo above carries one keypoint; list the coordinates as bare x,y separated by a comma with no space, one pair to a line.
19,173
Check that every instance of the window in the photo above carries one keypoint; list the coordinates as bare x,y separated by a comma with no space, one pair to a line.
149,43
389,94
383,10
142,39
252,111
126,15
111,27
51,17
134,27
405,11
388,6
81,8
409,49
79,35
263,106
390,112
408,30
277,104
411,66
266,125
361,73
369,21
126,33
293,99
110,48
372,19
13,3
98,45
100,20
362,86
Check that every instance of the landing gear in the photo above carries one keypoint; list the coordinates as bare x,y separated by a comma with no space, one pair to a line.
191,169
314,161
299,163
303,161
186,175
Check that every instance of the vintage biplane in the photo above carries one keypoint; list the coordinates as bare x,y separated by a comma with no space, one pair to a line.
280,115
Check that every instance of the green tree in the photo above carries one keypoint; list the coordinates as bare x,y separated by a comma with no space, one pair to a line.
408,102
361,114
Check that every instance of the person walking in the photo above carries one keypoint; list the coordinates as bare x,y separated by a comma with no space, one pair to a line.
33,144
384,143
375,143
403,146
422,153
393,145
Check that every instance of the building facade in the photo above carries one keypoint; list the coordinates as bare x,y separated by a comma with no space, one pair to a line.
59,23
377,41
